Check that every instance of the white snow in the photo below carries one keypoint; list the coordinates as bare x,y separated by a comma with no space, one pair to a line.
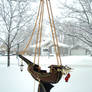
13,80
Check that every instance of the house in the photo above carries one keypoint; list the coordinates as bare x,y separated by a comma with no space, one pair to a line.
79,50
63,49
47,48
2,49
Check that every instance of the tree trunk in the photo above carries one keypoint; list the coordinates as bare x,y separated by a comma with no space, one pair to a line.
8,56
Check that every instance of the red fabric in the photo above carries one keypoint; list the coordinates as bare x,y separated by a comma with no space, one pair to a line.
67,77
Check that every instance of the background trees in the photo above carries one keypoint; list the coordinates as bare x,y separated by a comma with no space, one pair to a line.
17,21
15,17
77,19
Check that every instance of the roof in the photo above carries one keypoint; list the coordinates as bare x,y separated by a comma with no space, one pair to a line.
49,43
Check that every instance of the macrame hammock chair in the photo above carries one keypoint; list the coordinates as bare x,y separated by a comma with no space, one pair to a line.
46,79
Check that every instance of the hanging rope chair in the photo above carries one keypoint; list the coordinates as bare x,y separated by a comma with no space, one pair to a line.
42,75
56,71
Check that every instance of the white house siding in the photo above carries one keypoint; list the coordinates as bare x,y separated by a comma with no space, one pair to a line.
63,51
78,52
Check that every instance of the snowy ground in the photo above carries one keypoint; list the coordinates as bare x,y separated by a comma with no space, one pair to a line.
13,80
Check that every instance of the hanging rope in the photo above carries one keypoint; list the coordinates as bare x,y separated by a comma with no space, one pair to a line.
55,33
41,32
23,52
52,32
39,28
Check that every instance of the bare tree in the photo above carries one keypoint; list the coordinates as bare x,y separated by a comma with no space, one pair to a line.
80,16
13,21
66,29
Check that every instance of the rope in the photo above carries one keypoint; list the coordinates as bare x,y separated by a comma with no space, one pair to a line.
41,32
39,27
54,36
32,32
55,32
52,31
